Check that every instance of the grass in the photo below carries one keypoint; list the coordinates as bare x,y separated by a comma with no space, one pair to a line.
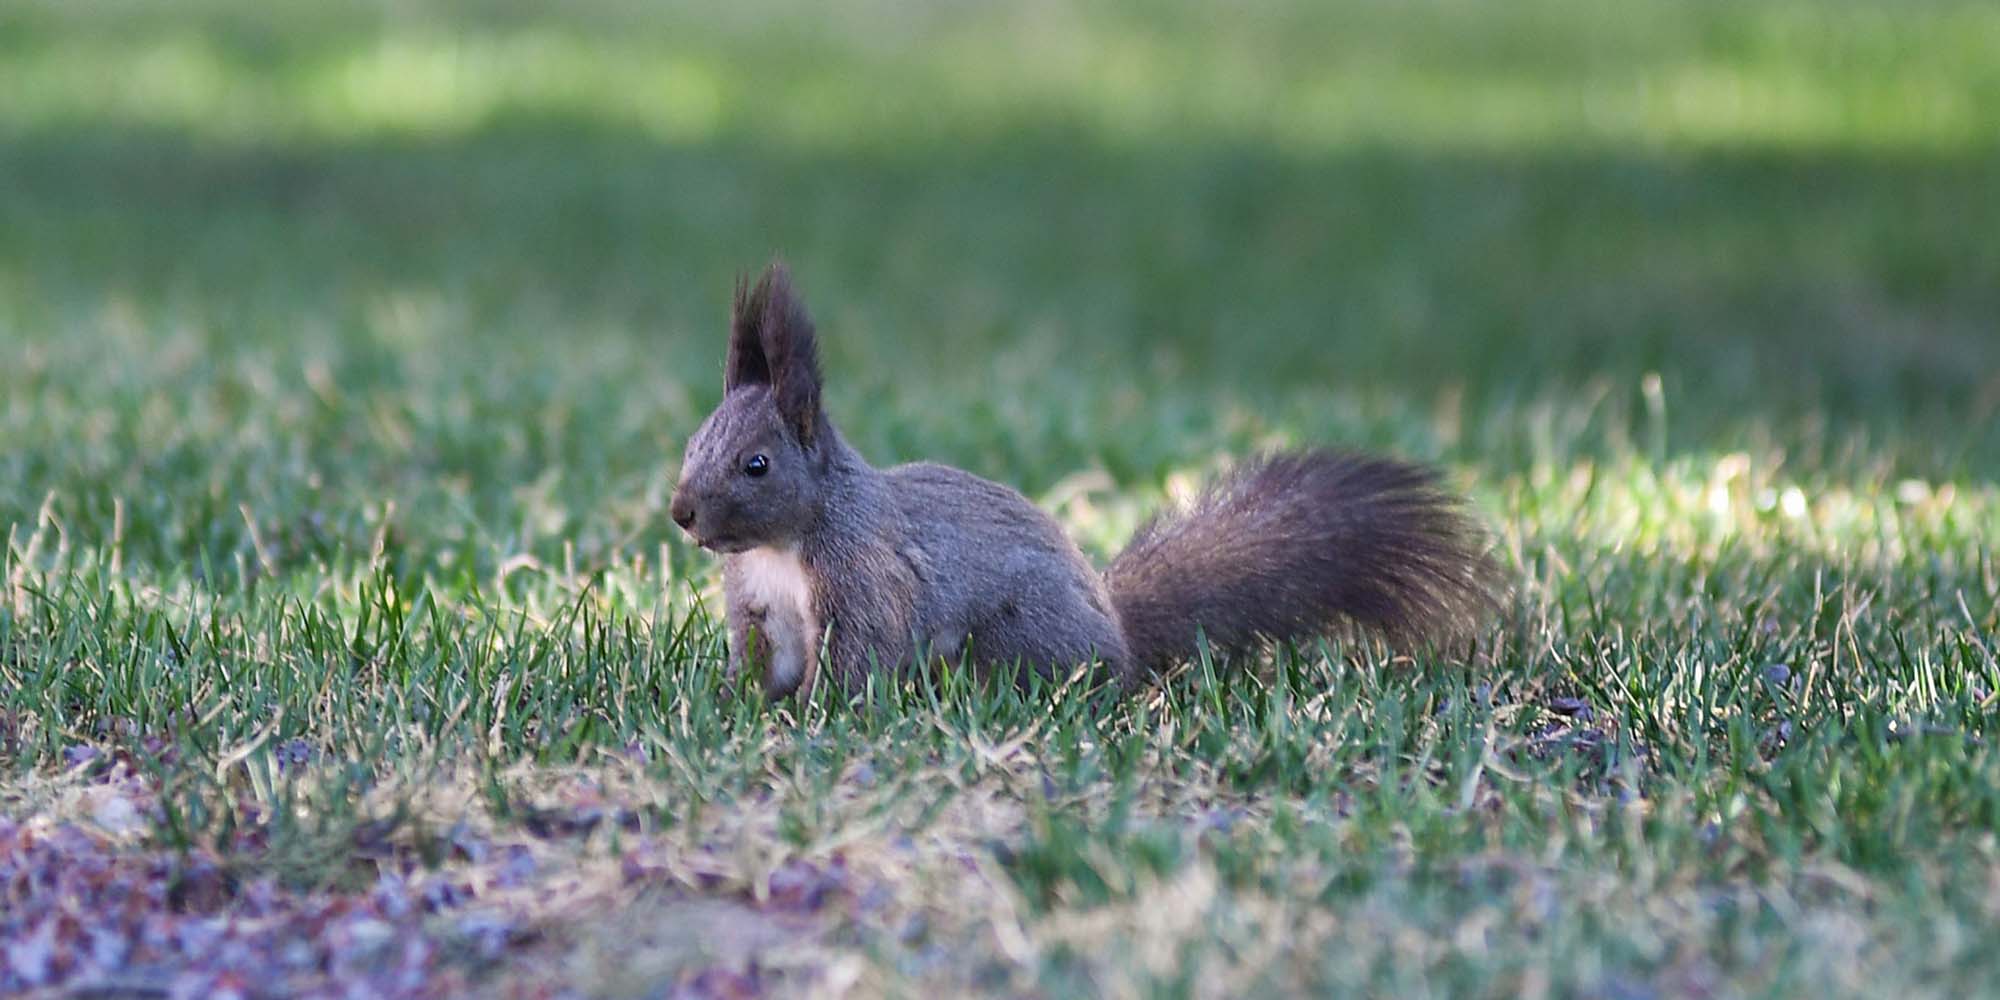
348,352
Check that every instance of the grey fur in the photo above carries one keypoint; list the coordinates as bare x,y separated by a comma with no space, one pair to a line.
918,562
1302,544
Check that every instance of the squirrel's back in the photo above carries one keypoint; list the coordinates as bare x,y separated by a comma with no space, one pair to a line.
998,569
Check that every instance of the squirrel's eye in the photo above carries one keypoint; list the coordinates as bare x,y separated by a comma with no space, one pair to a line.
756,466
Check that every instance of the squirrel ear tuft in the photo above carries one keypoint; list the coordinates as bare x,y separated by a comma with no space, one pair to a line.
747,364
772,342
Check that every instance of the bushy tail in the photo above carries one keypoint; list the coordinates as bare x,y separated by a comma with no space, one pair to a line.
1301,544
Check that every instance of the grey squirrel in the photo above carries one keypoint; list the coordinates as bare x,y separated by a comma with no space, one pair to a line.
829,560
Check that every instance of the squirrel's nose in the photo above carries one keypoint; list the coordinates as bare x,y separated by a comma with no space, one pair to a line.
682,512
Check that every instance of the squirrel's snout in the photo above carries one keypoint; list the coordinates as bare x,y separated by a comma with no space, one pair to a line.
682,512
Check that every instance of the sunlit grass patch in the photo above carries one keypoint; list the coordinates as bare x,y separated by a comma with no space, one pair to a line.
1308,80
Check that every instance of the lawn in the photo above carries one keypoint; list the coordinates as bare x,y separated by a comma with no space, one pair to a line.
347,351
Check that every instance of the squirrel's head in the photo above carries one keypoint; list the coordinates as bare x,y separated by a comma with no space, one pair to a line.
751,476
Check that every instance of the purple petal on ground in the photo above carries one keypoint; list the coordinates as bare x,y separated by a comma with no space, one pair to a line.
718,983
488,932
32,959
802,885
518,868
469,845
295,753
108,948
197,937
391,896
444,894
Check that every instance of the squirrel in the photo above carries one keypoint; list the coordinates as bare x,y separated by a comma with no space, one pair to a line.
830,561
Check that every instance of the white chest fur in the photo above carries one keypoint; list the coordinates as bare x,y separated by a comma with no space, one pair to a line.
774,581
770,592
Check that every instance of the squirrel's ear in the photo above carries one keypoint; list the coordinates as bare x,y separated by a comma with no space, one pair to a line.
786,352
747,364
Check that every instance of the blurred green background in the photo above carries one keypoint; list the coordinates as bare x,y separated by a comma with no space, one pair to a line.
307,258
